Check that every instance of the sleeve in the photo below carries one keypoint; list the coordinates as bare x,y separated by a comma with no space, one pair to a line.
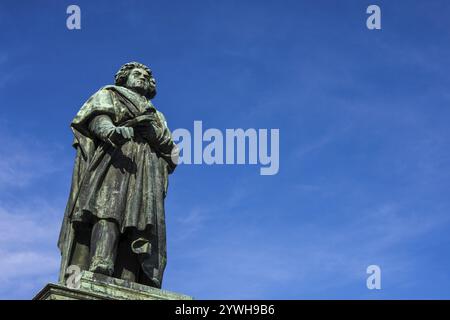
167,148
101,127
101,103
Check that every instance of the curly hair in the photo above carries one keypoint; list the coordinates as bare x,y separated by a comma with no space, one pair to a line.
124,71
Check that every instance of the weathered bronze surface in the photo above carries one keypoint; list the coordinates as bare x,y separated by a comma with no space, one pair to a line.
114,223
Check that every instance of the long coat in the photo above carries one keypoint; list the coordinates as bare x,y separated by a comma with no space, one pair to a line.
128,183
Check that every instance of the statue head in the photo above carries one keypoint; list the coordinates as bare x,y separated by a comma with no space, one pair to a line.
137,77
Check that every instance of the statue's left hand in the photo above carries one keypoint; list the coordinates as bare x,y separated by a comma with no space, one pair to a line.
150,132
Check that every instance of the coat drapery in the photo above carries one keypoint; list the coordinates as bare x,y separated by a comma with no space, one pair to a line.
126,183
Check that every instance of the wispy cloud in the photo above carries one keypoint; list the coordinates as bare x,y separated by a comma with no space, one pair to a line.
29,257
308,260
189,222
23,159
29,224
9,73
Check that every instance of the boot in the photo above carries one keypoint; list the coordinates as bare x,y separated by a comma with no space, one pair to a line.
104,240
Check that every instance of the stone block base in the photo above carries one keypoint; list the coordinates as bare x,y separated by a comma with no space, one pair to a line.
93,286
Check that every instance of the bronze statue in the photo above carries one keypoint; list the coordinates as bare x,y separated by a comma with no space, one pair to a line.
114,223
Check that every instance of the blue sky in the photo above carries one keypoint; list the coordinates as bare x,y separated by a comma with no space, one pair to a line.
364,140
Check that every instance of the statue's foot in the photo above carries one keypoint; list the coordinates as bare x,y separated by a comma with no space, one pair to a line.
155,283
103,266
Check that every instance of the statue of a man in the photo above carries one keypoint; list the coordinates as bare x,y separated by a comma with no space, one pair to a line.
114,222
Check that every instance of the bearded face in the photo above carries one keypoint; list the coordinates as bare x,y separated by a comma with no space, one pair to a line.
140,81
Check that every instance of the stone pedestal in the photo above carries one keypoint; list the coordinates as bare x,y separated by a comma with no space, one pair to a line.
93,286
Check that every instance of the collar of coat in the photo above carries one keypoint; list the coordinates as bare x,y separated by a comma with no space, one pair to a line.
139,101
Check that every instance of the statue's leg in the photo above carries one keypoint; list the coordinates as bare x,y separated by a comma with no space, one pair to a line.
149,275
127,266
80,253
104,240
144,245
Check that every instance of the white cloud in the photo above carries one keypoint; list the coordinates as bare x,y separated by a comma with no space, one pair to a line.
24,273
24,159
311,260
18,266
29,225
29,256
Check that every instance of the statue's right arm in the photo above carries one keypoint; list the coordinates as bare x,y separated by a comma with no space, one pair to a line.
104,129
